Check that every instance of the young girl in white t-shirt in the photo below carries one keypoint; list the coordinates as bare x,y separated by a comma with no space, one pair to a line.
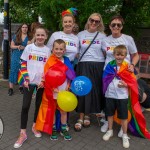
33,58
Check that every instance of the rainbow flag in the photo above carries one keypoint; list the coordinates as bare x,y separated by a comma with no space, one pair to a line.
48,106
23,73
137,125
20,78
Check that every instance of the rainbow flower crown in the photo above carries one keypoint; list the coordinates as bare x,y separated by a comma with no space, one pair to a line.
71,10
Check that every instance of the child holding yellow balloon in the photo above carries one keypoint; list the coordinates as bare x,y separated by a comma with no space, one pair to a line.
58,74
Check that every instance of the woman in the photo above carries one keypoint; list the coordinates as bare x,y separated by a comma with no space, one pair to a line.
91,65
115,39
71,40
18,43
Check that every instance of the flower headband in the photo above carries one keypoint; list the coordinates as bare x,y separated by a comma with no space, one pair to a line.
71,10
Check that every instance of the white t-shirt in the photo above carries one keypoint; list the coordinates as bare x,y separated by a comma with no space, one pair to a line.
109,43
36,58
71,40
113,91
94,53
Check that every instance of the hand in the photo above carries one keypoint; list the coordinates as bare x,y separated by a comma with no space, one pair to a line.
41,85
26,84
22,47
131,68
55,90
122,84
19,47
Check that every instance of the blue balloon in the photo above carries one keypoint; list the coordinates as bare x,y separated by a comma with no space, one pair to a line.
81,86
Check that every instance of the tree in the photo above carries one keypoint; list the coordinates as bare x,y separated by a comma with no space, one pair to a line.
135,12
22,11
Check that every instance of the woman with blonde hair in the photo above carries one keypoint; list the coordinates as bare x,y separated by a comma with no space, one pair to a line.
91,62
71,40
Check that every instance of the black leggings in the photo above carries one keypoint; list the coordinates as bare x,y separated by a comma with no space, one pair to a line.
27,97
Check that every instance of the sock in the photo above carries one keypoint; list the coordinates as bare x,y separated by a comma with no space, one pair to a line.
63,126
54,127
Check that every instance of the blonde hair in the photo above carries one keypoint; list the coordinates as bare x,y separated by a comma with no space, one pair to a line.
100,28
120,49
68,15
59,41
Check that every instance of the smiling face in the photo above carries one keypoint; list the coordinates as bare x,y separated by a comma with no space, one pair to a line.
116,27
120,53
59,50
68,24
93,23
40,36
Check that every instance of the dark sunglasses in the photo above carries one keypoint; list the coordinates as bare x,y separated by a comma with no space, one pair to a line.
92,21
116,24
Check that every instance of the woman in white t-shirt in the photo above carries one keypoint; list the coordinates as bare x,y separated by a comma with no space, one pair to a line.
71,40
91,65
118,38
115,39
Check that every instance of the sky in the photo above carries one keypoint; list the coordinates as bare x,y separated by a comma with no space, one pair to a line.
1,17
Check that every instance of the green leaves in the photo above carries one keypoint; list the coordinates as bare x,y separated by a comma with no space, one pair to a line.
135,12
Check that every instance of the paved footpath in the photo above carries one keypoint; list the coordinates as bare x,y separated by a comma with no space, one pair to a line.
88,139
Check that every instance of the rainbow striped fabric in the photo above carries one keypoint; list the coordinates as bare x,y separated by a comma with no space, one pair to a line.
48,106
71,10
137,125
23,73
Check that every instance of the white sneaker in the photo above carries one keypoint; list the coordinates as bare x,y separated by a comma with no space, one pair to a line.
104,127
125,141
120,133
107,135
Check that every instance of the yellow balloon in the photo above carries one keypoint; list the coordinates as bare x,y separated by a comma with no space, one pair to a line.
67,101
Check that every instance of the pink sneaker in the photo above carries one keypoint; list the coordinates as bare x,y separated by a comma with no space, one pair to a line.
22,138
36,132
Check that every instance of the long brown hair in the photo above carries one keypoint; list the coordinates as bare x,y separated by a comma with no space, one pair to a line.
18,40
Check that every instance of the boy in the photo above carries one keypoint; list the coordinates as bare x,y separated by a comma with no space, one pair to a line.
116,93
59,63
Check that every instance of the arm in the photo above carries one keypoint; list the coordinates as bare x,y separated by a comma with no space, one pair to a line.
135,59
13,46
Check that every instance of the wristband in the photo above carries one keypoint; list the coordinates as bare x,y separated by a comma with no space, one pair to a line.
133,65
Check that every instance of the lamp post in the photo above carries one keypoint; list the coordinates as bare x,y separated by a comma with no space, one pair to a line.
6,40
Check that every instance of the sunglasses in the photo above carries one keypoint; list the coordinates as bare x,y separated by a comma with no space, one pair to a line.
116,24
92,21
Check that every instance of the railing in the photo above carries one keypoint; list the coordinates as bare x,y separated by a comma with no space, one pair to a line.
144,65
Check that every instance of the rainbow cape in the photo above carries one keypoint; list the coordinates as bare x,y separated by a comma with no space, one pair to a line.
48,106
137,125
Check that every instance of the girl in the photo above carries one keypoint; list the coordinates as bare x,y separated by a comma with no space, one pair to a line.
33,59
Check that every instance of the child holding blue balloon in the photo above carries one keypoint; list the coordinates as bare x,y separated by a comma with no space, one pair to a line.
58,74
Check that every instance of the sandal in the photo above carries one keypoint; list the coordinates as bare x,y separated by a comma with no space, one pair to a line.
86,122
78,125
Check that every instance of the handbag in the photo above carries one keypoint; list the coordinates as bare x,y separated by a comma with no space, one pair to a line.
88,47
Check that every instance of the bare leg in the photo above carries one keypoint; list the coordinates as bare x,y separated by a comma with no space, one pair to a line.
124,124
110,122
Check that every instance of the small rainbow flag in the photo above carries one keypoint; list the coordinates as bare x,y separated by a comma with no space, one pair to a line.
23,73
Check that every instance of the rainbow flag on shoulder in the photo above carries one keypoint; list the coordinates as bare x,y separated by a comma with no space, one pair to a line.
137,125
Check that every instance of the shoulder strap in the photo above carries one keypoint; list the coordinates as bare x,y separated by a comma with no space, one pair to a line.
88,47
